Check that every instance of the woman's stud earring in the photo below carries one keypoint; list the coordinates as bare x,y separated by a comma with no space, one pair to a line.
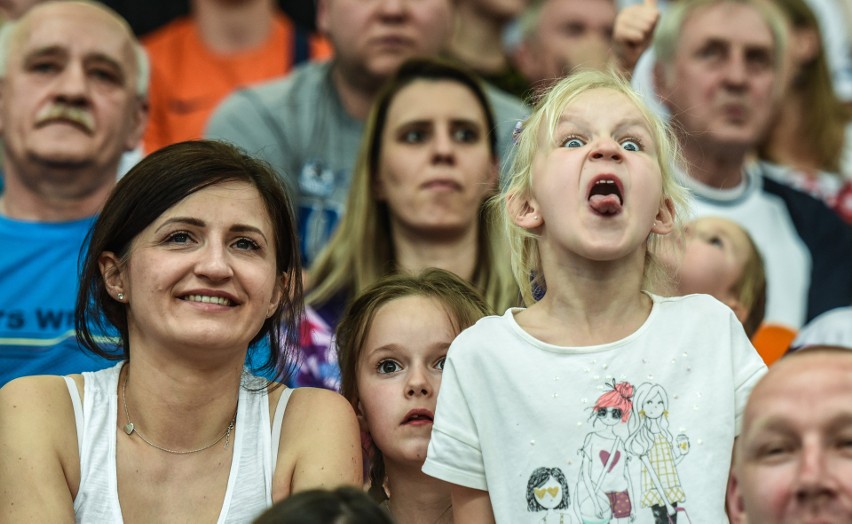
120,297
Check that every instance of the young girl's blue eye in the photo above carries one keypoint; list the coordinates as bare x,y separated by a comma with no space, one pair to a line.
440,364
388,366
573,142
631,145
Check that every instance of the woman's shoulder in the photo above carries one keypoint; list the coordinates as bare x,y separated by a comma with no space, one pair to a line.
319,442
317,403
39,426
40,391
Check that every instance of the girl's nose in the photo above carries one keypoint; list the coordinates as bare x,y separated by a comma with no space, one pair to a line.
418,383
606,149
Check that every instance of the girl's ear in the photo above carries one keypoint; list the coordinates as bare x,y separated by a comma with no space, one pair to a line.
740,311
664,221
362,418
734,501
524,211
112,273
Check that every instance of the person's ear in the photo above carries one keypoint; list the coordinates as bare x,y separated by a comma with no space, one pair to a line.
112,271
664,221
737,307
277,295
524,211
663,79
526,59
139,120
362,417
734,501
805,44
322,17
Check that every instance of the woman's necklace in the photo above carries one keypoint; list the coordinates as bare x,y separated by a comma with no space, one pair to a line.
386,504
130,428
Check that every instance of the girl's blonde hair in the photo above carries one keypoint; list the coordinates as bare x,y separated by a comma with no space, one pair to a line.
361,250
539,129
462,303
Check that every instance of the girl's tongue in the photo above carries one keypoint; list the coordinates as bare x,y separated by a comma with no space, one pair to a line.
605,204
605,198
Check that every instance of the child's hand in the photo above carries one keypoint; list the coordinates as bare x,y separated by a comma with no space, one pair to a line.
634,27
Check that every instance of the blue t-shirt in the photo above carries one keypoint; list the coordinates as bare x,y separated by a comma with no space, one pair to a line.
38,288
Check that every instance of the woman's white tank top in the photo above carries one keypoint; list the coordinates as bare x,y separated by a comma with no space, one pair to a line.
249,490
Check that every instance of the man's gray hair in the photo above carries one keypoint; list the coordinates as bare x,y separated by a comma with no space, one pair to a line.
9,31
668,33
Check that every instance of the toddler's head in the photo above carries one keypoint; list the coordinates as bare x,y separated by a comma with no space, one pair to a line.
392,342
593,93
718,257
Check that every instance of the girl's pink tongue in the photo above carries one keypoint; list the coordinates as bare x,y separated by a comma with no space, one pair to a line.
605,204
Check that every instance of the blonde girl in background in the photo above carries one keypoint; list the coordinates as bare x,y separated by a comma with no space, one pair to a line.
591,190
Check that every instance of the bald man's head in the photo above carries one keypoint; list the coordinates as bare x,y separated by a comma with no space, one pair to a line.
793,461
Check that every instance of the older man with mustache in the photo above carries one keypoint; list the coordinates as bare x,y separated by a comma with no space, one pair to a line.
73,82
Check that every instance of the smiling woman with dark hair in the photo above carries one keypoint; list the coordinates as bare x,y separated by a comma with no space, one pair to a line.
193,262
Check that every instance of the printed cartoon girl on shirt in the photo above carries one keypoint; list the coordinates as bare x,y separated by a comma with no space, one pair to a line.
604,488
651,441
547,490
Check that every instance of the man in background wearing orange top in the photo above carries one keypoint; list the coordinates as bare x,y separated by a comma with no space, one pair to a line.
223,45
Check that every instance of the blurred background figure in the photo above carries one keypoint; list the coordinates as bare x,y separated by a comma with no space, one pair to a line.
346,505
832,328
717,257
557,36
14,9
418,199
809,141
309,124
477,42
222,45
74,82
719,71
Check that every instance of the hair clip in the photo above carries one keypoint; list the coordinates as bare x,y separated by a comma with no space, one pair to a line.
516,132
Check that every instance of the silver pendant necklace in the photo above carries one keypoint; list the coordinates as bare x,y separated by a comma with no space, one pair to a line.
130,428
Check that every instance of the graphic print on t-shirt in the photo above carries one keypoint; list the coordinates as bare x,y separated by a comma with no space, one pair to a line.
547,495
652,443
604,488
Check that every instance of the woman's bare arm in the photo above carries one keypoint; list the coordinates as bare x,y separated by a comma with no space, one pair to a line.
39,460
320,444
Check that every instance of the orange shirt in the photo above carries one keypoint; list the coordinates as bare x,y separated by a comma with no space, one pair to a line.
188,80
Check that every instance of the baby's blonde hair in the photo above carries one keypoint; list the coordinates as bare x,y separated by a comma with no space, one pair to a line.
526,261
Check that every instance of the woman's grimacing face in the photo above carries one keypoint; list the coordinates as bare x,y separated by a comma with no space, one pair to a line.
203,274
436,166
399,373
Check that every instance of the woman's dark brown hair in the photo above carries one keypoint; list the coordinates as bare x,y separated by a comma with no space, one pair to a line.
154,185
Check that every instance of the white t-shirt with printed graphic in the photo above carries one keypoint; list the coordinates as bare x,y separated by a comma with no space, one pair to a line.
514,414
